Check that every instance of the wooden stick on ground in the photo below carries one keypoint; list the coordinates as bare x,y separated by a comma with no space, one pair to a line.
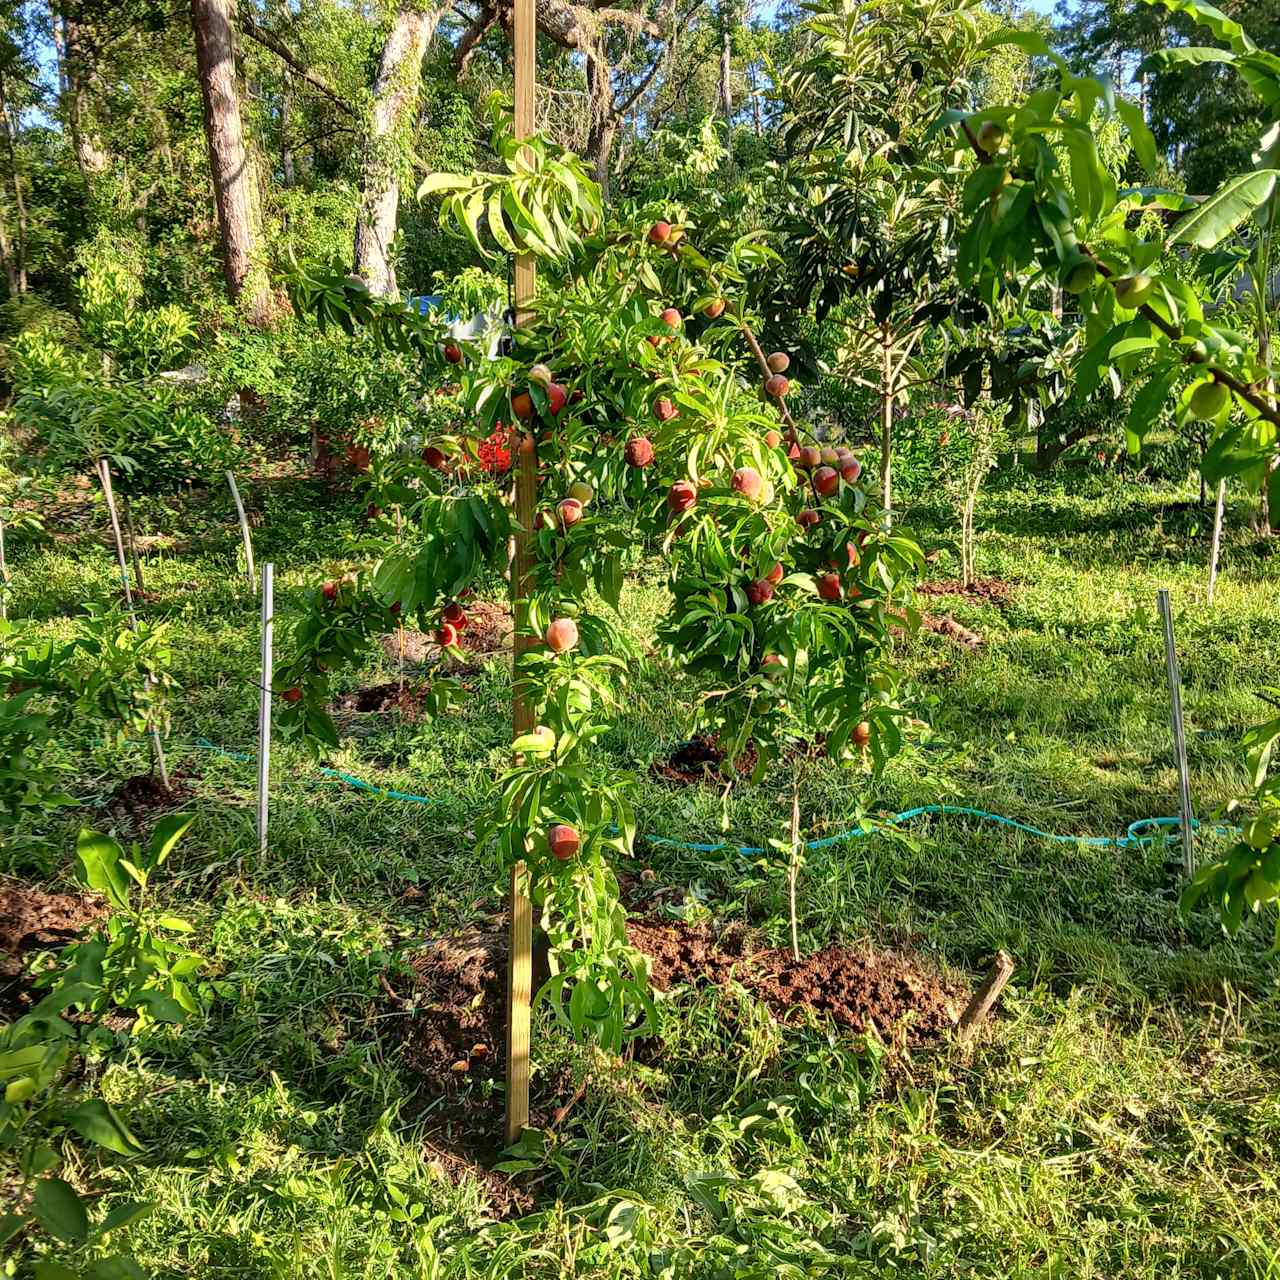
985,997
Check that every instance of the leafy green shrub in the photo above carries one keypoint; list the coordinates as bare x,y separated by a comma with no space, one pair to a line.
154,438
138,965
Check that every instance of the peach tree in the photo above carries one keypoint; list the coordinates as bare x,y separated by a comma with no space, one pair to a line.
639,391
1040,203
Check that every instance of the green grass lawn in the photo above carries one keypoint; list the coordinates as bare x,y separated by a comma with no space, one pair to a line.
1118,1119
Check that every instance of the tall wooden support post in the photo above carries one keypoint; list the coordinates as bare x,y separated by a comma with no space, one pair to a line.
264,705
520,958
4,578
1179,735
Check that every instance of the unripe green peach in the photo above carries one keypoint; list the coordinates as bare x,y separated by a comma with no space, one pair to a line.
1209,399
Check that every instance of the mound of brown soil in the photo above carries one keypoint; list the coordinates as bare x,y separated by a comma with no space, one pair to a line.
454,1013
699,760
980,591
856,989
407,701
32,920
146,795
453,1036
489,628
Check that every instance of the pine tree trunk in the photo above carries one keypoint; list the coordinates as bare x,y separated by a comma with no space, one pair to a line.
395,98
229,164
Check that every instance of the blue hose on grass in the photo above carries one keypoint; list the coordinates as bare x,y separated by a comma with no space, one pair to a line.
331,775
1164,830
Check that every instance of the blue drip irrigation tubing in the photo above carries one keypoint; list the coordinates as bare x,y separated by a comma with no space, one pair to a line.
1165,830
330,775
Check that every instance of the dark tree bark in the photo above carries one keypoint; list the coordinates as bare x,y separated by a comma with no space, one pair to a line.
15,248
726,72
72,41
229,164
395,100
287,169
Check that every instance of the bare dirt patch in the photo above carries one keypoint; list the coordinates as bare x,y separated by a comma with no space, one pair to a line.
946,625
453,1010
32,920
144,796
699,760
858,989
993,591
407,701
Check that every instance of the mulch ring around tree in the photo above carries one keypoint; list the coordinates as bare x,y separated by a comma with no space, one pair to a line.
487,634
453,1035
994,591
858,989
33,920
699,760
145,796
407,700
453,1007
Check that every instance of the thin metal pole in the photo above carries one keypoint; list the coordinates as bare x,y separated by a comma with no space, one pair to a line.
524,39
244,532
264,705
104,475
1218,512
1179,734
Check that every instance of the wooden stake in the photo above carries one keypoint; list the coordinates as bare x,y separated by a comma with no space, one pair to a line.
985,997
1179,735
244,531
1218,512
793,871
264,705
104,476
133,545
886,425
519,995
520,957
4,578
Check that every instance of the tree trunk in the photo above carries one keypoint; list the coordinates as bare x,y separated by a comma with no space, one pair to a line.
287,169
10,263
755,102
229,166
603,129
886,425
726,70
395,98
16,257
71,40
